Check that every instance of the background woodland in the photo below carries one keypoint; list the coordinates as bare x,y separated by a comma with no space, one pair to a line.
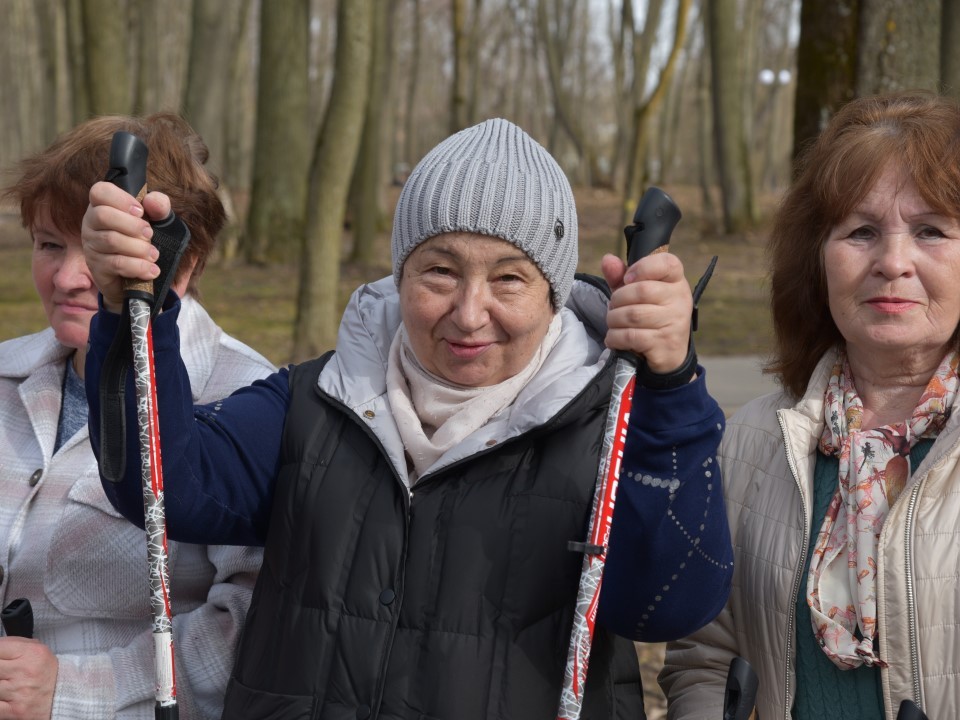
315,110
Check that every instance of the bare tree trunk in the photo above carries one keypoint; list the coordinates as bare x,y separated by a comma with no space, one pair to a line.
323,45
10,148
519,90
22,81
391,156
588,171
950,48
732,157
279,195
473,53
106,38
55,116
898,47
617,35
149,65
215,36
76,49
673,111
555,31
238,131
749,31
330,172
826,64
366,201
705,136
776,154
410,152
461,61
628,99
643,112
768,119
642,49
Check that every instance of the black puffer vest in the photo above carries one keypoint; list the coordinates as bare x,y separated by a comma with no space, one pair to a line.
453,602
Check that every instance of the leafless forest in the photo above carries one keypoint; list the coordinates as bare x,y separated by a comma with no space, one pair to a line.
313,108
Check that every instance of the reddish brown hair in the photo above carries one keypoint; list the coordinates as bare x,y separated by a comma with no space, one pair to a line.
920,132
59,178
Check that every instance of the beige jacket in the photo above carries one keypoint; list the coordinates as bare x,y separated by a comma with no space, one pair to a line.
767,459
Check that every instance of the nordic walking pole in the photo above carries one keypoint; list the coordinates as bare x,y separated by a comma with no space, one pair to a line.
128,170
741,692
653,222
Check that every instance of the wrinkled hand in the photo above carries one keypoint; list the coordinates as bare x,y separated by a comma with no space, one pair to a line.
28,678
650,309
116,237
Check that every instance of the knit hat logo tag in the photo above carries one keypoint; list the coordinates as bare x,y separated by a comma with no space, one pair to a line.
558,229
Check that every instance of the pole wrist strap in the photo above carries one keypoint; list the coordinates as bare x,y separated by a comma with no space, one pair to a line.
171,237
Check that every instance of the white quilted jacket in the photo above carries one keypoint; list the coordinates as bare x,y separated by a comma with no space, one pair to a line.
767,459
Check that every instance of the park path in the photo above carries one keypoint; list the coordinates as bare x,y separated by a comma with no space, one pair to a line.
736,379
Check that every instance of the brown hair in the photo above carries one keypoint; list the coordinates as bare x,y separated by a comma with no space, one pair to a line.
59,178
920,132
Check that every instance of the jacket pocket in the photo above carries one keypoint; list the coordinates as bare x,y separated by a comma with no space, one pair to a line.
245,702
95,564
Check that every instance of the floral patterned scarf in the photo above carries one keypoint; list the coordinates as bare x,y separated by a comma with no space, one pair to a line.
874,469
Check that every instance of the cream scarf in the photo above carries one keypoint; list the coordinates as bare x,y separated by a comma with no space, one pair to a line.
874,470
432,415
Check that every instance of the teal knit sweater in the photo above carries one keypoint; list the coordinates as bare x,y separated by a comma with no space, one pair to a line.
823,690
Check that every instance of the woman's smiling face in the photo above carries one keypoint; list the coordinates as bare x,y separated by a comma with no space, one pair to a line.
892,269
475,308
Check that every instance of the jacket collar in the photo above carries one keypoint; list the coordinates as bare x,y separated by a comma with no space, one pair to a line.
199,342
22,356
356,375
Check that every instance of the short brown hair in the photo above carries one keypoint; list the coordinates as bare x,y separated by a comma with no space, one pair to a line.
920,132
59,178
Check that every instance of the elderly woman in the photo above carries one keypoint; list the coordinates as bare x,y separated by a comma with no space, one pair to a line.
843,490
62,546
416,489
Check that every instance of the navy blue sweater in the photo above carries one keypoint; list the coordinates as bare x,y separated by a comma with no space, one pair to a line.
669,552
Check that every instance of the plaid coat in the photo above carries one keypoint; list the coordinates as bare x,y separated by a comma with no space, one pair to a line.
83,566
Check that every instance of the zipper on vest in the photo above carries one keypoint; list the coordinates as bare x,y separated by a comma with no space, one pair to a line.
910,587
912,592
798,574
407,496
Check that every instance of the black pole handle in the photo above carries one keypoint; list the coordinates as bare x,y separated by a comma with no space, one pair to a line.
910,711
17,618
653,222
741,692
128,171
128,164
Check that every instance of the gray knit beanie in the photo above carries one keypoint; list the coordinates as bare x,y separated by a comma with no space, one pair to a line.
495,180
